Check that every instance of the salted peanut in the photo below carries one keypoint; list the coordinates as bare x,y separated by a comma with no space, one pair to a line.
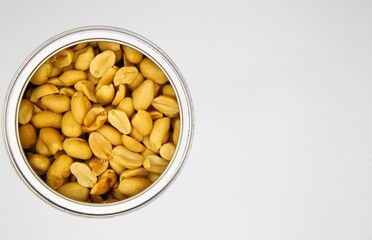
168,91
98,166
87,88
155,114
103,46
56,82
39,163
148,152
67,91
126,158
116,167
151,71
46,119
105,94
80,105
71,77
159,132
132,54
116,193
125,75
100,146
55,72
51,139
176,130
152,177
101,63
111,134
136,135
166,105
79,46
119,96
25,111
70,127
126,105
83,174
105,182
74,191
119,120
137,81
27,135
41,148
108,78
91,78
84,58
94,119
96,198
43,90
126,62
142,122
58,171
155,164
137,172
166,138
143,95
133,186
42,74
167,151
132,144
146,142
56,103
77,148
62,59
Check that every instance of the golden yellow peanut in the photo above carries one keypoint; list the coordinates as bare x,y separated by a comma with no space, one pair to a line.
155,164
42,73
55,72
118,55
87,88
167,151
25,111
151,71
126,105
176,130
94,119
83,174
91,78
165,104
100,146
143,95
43,90
41,148
80,105
159,132
62,59
107,78
79,46
101,63
166,138
117,194
67,91
58,171
111,134
39,163
133,186
105,94
68,68
155,115
108,46
132,144
125,75
51,139
138,80
27,136
126,62
46,119
152,177
146,142
136,135
156,90
56,103
77,148
119,96
126,158
137,172
36,109
105,182
133,55
169,91
71,77
98,166
83,60
142,122
56,82
74,191
119,120
148,152
116,167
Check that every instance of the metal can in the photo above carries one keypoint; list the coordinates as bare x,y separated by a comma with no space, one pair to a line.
17,88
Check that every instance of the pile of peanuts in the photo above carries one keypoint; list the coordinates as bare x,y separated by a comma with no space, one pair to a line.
99,122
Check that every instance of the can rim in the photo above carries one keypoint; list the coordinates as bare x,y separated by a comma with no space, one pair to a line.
21,79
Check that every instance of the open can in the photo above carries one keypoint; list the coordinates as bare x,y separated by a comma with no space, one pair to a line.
17,89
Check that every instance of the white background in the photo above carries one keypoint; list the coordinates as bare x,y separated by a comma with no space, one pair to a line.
283,104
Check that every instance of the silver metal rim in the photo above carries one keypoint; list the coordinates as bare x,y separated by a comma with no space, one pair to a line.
17,88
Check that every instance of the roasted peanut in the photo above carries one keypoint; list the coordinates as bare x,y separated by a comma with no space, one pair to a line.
42,73
126,158
132,144
77,148
55,72
58,171
132,54
151,71
39,163
142,122
143,95
176,130
116,167
120,121
105,94
125,75
126,105
74,191
111,134
137,172
147,152
56,103
27,135
83,174
41,148
167,150
70,127
153,177
138,80
87,88
119,96
69,92
133,186
83,60
169,91
71,77
47,119
25,112
51,139
136,135
80,105
43,90
155,164
63,58
94,119
108,46
79,46
101,63
98,166
100,146
105,182
159,132
165,104
107,78
56,82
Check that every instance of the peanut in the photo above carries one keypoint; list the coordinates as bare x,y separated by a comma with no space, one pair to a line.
133,55
119,120
165,104
69,92
25,111
47,119
105,94
143,95
42,73
56,103
111,134
58,171
126,105
151,71
126,158
27,136
62,59
167,150
158,132
80,105
69,126
101,63
77,148
41,148
98,166
155,164
133,186
83,174
132,144
105,182
125,75
87,88
39,163
100,146
71,77
137,172
142,122
83,60
43,90
51,139
94,119
74,191
119,96
108,46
